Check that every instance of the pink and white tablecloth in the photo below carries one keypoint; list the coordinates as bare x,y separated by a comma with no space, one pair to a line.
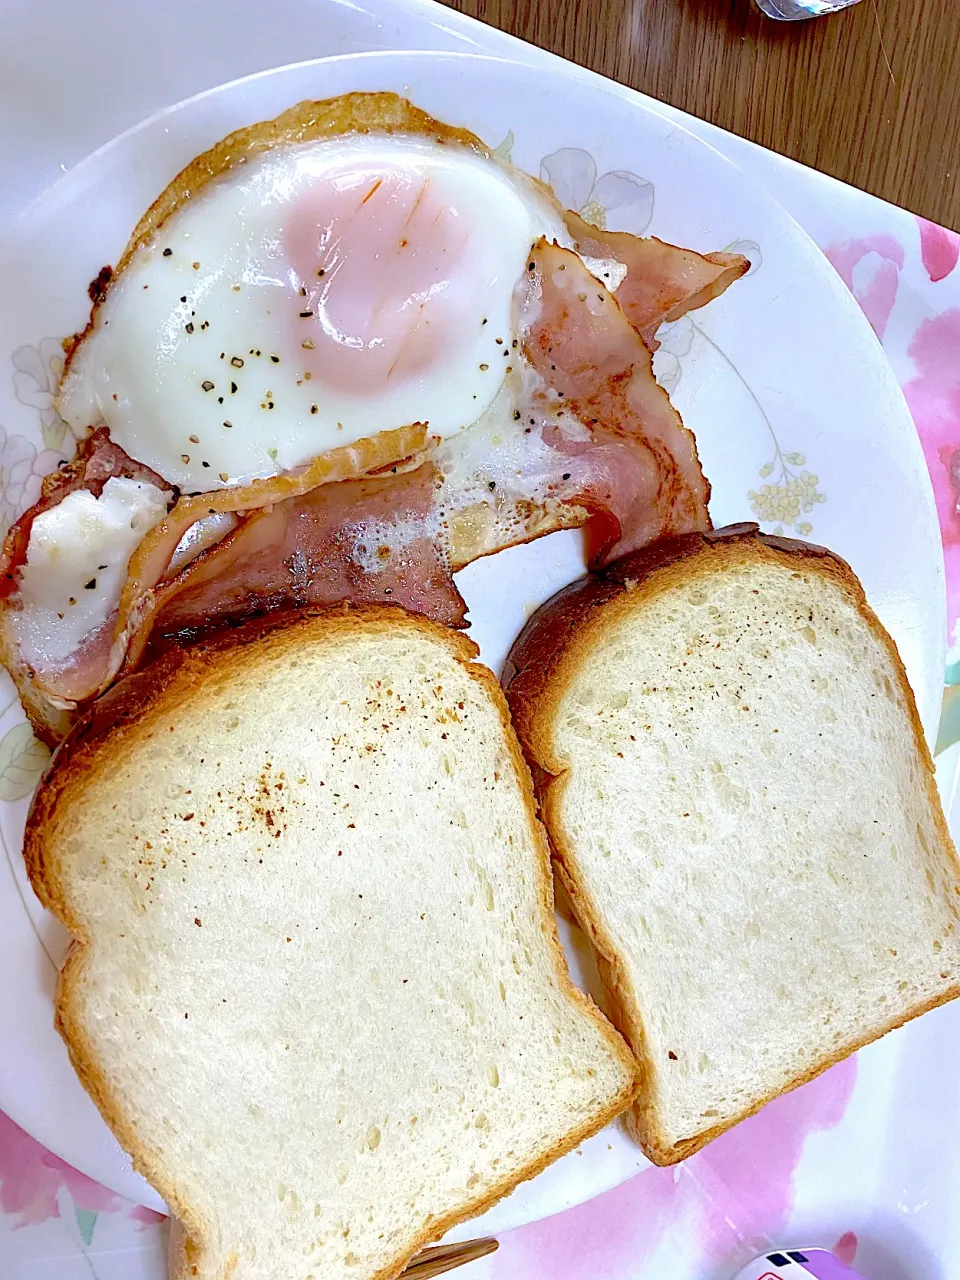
733,1199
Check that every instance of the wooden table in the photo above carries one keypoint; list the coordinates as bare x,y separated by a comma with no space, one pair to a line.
870,95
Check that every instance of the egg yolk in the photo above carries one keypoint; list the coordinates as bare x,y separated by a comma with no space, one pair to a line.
380,260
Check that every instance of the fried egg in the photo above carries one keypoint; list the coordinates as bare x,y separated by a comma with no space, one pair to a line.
316,295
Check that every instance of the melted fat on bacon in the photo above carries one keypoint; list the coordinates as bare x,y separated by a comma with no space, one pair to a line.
98,460
377,540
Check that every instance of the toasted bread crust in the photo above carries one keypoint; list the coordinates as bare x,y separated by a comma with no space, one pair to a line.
554,646
127,711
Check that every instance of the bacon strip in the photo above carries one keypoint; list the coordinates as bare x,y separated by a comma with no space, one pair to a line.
59,687
374,540
645,479
149,562
663,281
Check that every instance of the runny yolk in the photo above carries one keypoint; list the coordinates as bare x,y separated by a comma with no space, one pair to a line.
377,260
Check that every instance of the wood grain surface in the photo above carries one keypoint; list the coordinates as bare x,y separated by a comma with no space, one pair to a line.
870,95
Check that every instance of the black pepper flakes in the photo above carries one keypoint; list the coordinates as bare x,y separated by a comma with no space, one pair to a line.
233,388
189,326
275,359
91,585
194,439
305,315
227,423
484,368
204,464
237,362
167,253
207,384
314,408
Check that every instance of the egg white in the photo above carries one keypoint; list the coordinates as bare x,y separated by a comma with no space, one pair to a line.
190,362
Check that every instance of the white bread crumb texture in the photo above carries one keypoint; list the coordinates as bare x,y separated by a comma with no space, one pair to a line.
322,976
746,808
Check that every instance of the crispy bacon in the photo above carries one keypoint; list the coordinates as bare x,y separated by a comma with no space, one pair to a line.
663,281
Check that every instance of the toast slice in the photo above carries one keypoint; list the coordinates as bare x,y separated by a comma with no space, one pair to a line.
316,989
742,808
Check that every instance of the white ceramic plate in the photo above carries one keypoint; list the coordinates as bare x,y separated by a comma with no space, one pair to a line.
798,418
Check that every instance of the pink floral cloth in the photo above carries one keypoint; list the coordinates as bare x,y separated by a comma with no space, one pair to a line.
872,268
731,1197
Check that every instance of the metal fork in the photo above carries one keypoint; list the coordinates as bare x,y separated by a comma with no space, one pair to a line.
445,1257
